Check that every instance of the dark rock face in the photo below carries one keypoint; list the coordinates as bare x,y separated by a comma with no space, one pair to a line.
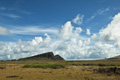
44,56
48,55
57,57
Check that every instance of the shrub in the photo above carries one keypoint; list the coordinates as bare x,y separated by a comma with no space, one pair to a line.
101,65
112,70
53,66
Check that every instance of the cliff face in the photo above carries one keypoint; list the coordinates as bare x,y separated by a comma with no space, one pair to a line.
44,56
58,57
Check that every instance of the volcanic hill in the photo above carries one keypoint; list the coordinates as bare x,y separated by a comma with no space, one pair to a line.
44,56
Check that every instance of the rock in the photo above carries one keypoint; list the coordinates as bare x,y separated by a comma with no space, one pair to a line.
57,57
44,56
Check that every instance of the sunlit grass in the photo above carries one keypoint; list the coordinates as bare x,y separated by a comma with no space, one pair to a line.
53,66
59,70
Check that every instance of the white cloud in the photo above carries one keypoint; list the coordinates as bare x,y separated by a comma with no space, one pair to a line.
72,49
94,37
99,12
77,31
33,30
78,19
88,32
13,16
4,31
100,50
66,31
112,32
37,40
102,11
92,17
68,43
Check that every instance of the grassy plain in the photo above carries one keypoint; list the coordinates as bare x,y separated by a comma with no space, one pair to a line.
70,70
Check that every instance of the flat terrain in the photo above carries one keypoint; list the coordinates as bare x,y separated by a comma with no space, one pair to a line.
73,70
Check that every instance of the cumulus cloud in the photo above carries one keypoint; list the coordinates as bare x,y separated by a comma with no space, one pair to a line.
88,32
4,31
37,40
112,32
94,37
100,50
69,43
78,19
68,32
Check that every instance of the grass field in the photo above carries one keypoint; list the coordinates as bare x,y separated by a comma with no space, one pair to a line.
59,70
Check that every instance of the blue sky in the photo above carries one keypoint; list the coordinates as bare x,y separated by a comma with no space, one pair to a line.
23,20
55,13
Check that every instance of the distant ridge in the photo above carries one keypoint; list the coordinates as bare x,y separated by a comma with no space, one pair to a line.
44,56
114,58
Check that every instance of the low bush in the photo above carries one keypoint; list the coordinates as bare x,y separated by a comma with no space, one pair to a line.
112,70
53,66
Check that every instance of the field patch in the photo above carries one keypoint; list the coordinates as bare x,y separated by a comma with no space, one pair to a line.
52,66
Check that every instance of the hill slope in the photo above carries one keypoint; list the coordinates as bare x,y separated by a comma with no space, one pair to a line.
44,56
114,58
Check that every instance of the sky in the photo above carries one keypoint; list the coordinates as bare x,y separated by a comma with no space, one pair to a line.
74,29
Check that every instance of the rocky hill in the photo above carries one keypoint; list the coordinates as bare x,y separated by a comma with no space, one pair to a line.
44,56
114,58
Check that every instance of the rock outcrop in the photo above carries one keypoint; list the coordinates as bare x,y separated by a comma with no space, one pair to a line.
44,56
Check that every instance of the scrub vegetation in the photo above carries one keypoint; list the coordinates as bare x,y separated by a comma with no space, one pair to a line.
47,65
60,70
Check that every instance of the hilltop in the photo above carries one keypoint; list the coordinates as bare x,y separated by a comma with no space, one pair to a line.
44,56
114,58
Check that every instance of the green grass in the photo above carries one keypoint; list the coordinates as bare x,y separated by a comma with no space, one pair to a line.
94,63
53,66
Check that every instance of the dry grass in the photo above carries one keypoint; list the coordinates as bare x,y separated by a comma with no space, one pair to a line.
73,71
